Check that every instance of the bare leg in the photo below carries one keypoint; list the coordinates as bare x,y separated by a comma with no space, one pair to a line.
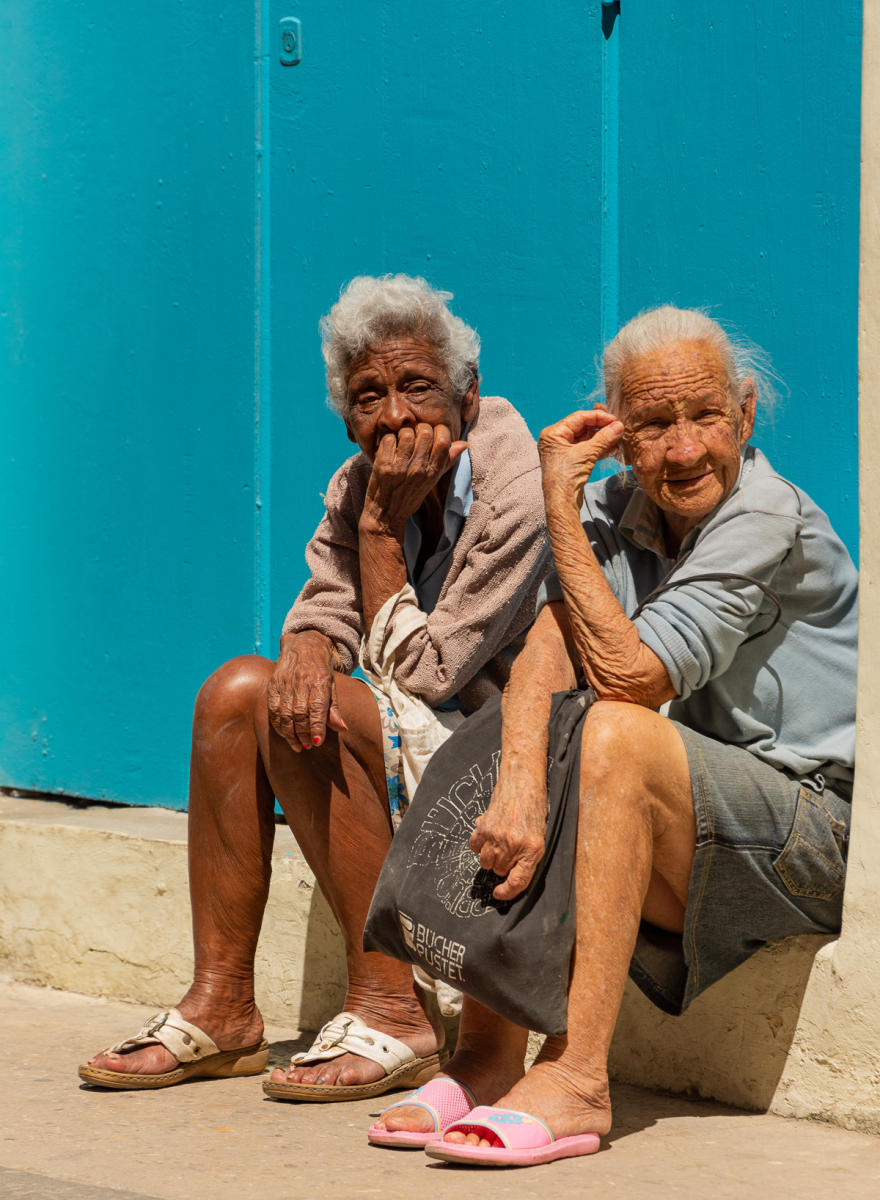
231,830
335,801
636,843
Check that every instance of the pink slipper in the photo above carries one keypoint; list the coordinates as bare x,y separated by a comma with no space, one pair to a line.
442,1097
523,1140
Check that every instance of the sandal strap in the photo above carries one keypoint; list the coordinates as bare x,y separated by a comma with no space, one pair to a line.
444,1099
515,1130
184,1040
348,1034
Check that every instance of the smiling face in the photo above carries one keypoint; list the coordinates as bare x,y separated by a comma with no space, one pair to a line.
403,382
684,429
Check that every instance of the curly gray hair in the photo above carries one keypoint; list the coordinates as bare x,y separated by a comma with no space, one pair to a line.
371,309
658,327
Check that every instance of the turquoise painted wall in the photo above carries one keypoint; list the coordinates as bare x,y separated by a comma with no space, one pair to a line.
178,208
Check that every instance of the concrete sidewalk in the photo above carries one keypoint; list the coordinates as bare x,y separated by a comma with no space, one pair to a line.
221,1139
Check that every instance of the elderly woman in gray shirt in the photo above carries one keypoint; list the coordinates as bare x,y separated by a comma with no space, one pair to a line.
705,832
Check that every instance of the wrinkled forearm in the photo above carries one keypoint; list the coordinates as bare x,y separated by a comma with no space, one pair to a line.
382,566
541,668
615,662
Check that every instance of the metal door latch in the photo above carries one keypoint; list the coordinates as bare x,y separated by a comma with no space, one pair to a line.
291,41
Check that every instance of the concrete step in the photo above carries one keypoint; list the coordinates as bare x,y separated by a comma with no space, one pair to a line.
95,900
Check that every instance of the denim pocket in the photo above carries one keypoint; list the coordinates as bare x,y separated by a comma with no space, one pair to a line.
813,860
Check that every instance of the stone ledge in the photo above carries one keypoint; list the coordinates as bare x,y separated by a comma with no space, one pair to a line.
96,900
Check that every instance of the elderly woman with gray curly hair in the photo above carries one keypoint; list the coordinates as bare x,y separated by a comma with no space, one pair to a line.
426,564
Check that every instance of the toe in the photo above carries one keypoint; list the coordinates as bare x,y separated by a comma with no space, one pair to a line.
467,1139
106,1061
321,1075
359,1071
407,1117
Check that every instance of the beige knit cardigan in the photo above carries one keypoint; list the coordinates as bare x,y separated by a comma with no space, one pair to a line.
487,602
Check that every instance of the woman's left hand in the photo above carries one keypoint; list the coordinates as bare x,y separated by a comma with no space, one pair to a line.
509,837
571,448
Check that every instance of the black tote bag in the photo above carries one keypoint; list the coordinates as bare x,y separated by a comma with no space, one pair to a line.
433,903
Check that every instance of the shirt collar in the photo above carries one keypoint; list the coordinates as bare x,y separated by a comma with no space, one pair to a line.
642,523
460,496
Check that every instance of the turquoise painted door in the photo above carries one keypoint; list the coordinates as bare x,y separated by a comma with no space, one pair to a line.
559,175
465,147
739,191
126,385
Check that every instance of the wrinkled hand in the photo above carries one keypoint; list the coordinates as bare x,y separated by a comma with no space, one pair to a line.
405,469
302,691
571,448
509,837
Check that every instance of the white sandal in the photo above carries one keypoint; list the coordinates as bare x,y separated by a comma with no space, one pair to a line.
348,1034
199,1057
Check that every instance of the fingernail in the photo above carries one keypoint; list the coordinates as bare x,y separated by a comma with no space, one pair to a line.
316,741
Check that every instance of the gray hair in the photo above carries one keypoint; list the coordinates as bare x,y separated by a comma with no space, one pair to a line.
658,327
372,309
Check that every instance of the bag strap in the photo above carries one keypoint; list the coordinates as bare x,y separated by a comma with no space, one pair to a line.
718,577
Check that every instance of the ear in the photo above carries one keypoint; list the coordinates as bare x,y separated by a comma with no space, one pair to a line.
749,402
351,436
470,404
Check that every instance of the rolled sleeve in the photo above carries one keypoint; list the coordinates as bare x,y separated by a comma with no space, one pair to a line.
695,629
330,600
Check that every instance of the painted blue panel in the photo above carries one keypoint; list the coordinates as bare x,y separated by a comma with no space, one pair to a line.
464,146
739,190
177,210
126,210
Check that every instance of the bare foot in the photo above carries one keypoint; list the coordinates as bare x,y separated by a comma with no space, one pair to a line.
230,1024
403,1017
568,1102
486,1072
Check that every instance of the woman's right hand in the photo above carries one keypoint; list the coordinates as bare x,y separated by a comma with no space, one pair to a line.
570,449
509,837
407,466
302,691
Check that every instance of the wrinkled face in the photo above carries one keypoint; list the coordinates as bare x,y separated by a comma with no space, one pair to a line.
401,383
684,429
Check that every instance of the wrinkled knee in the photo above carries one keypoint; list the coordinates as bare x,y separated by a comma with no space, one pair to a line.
612,725
233,690
615,737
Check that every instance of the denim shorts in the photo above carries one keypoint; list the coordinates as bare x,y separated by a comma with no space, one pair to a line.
770,862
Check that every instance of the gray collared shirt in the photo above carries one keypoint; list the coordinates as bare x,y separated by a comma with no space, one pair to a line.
788,697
